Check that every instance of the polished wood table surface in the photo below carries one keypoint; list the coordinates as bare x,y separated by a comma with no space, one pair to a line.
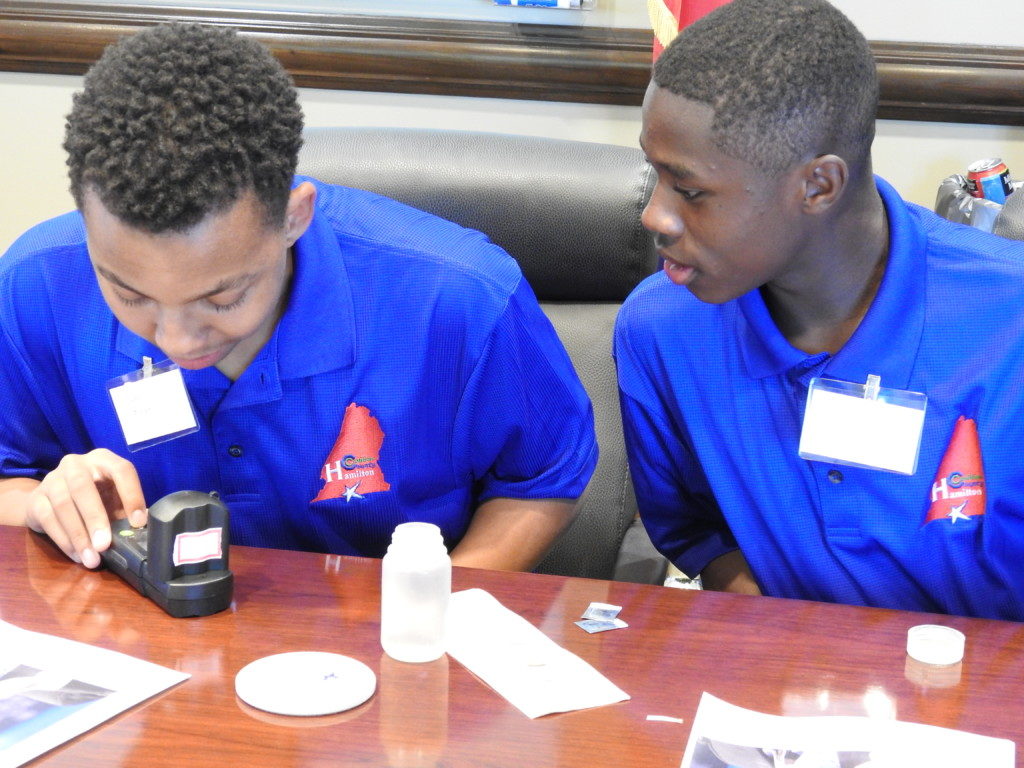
777,656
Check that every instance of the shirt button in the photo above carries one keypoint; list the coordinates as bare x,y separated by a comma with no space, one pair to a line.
236,451
833,474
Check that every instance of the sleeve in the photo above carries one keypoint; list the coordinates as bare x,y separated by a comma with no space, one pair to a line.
673,495
28,445
40,420
527,422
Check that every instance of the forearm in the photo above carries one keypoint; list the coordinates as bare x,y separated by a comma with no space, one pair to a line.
729,573
14,493
512,534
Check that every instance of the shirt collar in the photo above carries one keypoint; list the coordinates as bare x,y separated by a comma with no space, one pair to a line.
315,333
886,338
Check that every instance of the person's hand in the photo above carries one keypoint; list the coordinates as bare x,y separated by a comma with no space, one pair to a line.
74,503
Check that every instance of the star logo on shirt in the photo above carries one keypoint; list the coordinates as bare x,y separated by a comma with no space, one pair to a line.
960,477
350,492
957,512
354,462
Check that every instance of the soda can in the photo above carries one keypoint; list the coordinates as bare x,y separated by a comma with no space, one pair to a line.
989,179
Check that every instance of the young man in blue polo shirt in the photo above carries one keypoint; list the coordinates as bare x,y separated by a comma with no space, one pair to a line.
786,261
352,363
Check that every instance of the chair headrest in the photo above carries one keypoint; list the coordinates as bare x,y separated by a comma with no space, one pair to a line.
567,211
1010,221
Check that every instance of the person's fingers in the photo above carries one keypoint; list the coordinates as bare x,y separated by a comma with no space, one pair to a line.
62,522
76,510
124,479
42,519
74,503
84,500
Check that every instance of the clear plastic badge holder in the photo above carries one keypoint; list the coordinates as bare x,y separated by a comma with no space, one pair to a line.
863,425
152,404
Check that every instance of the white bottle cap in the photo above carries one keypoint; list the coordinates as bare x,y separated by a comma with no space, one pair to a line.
935,644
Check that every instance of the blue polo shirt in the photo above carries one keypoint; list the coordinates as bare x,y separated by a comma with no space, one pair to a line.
713,398
425,334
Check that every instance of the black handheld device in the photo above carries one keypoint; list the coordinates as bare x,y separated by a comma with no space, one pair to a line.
179,559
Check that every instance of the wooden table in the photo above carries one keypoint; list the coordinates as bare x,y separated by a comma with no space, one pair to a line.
778,656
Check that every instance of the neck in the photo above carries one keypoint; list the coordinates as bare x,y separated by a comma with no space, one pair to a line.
820,304
234,364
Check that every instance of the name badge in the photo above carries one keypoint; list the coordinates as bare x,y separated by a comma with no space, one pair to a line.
863,425
152,404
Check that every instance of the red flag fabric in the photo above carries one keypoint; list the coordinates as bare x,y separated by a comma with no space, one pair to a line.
669,16
352,468
959,488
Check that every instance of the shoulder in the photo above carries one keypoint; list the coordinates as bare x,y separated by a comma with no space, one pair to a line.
949,239
945,241
974,271
659,311
50,253
51,311
962,270
368,225
44,241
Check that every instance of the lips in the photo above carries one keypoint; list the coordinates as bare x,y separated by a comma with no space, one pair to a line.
680,274
202,361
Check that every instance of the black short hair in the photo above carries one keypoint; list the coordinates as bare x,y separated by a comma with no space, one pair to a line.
787,79
178,122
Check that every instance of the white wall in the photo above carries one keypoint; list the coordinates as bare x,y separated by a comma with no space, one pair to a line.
32,110
913,156
34,186
974,22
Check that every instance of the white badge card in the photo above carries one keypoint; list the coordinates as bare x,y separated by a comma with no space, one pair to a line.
863,425
152,405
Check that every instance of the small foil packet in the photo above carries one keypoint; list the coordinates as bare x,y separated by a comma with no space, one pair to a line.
600,625
601,611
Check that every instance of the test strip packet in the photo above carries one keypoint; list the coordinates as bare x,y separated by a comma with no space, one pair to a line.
599,625
601,611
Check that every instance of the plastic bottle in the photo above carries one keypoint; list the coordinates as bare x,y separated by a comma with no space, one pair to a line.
416,582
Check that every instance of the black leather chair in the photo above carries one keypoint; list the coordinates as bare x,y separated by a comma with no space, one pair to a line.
1010,221
569,212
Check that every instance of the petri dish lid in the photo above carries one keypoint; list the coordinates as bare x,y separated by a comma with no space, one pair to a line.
305,683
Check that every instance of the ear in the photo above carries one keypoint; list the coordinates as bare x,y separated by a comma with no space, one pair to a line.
824,180
299,212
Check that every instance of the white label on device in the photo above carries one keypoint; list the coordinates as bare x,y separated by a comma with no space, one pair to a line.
197,546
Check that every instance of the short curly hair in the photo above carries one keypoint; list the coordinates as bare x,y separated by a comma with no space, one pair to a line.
787,79
178,122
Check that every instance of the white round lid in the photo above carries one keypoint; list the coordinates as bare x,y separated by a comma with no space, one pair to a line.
305,683
935,644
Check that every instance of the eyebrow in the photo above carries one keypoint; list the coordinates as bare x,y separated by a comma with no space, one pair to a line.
679,171
224,285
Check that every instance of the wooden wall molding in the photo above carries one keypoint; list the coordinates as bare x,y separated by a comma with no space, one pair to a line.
951,83
920,81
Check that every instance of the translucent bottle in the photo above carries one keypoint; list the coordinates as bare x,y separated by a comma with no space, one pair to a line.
416,582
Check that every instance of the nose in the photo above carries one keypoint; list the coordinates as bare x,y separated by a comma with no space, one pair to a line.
177,334
660,219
